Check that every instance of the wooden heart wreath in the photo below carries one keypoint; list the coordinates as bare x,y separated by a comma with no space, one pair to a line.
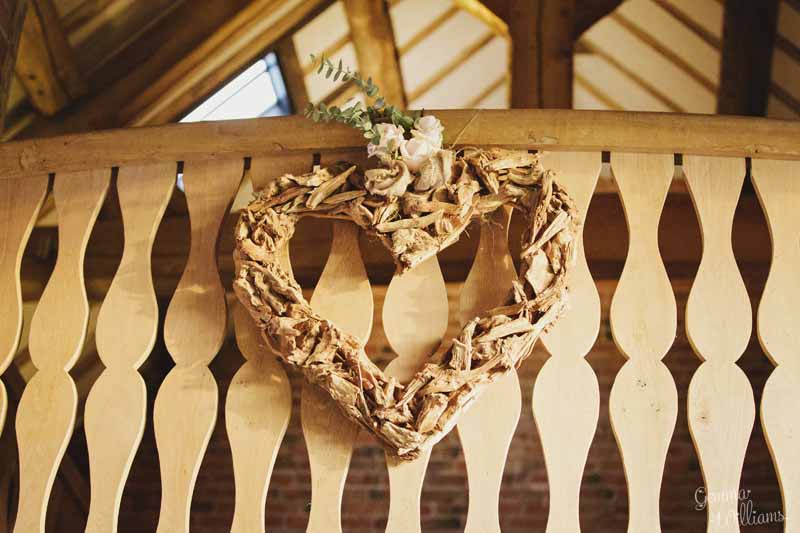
417,203
450,190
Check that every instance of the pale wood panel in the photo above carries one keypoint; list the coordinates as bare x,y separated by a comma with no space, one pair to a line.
257,412
19,207
611,37
789,22
721,409
472,76
708,15
47,409
343,295
668,31
459,32
487,428
259,401
643,403
566,393
415,317
786,72
612,83
319,34
778,186
126,331
186,404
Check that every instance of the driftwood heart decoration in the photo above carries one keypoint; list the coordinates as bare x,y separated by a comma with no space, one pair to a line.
450,190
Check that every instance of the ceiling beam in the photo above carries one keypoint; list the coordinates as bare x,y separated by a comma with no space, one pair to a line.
46,63
373,39
588,12
748,40
12,15
293,75
222,55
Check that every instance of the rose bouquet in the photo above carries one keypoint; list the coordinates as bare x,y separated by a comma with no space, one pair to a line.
409,146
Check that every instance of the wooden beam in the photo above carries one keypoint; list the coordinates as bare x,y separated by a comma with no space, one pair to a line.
46,64
12,15
138,66
747,44
219,57
292,73
546,129
542,43
373,39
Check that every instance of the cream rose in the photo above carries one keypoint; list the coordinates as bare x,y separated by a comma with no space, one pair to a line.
391,137
392,181
429,128
415,152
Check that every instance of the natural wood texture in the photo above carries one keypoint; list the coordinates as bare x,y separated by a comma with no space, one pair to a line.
566,393
588,12
520,129
259,402
292,73
344,296
10,30
127,325
486,429
371,30
415,317
254,29
719,319
47,409
257,412
194,330
747,42
19,207
46,64
778,186
644,401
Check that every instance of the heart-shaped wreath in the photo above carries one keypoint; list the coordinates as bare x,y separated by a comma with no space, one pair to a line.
417,203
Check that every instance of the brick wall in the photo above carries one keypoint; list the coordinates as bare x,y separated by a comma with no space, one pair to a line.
524,496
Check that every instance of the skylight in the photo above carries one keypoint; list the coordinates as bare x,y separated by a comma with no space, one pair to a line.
259,91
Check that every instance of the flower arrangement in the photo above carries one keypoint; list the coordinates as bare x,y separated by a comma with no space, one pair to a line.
409,146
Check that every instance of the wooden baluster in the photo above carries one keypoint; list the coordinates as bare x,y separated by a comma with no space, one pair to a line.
258,406
721,409
415,314
194,330
47,409
344,296
566,393
20,200
487,428
127,325
644,401
778,186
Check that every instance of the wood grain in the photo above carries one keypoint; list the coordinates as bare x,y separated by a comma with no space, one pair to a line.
546,129
258,406
778,186
721,409
644,401
487,428
343,295
126,331
19,206
48,407
415,317
257,412
566,392
186,404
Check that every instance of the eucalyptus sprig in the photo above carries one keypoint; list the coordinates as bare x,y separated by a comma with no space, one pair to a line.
355,115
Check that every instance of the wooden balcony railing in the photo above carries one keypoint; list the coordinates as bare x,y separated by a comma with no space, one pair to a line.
716,153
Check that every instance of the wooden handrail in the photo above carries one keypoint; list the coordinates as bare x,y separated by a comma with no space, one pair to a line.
523,129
